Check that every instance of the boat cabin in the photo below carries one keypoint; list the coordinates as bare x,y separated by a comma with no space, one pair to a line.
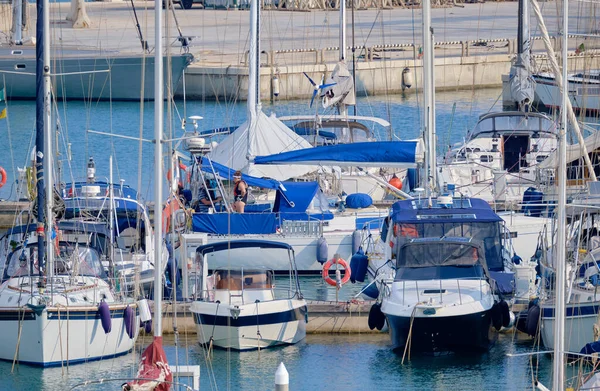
509,141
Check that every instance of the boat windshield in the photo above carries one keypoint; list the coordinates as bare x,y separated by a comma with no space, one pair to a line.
487,233
507,123
243,279
71,259
435,260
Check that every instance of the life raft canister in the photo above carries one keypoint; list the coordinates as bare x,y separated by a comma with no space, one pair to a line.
343,264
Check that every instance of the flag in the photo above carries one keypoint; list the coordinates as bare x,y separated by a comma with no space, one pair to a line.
3,114
2,97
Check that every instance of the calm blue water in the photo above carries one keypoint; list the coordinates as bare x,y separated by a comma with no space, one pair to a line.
341,362
321,362
17,132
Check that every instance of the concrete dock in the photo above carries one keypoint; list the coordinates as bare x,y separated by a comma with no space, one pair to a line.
324,317
474,44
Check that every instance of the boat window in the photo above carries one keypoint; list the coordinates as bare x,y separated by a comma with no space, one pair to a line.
486,158
540,158
484,232
78,260
257,280
229,279
438,273
18,263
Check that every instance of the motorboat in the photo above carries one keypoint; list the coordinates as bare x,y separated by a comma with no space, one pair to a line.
446,277
241,308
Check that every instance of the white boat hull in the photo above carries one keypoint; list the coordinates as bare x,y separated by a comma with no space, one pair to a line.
579,325
261,325
582,96
65,336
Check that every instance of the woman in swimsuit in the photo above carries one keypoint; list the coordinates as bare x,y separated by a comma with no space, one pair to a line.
240,192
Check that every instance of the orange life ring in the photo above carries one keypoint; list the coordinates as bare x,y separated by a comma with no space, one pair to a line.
181,167
4,177
331,262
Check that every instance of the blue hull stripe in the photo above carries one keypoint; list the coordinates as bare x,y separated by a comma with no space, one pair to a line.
70,362
253,320
64,315
573,311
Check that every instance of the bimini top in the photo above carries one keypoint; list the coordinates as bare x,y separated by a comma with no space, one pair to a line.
514,123
463,210
235,244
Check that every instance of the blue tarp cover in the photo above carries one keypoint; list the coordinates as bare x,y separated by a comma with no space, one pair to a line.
234,244
300,194
227,173
465,210
391,153
235,223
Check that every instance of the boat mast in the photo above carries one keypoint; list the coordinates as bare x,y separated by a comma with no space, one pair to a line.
559,311
342,108
158,170
253,74
522,87
429,99
39,126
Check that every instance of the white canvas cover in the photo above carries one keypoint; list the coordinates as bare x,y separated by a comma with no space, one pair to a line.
342,90
267,136
574,152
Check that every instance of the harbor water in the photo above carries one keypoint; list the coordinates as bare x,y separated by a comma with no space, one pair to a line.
322,362
340,362
455,111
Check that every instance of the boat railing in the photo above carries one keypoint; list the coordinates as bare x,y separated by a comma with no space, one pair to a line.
444,284
406,51
302,227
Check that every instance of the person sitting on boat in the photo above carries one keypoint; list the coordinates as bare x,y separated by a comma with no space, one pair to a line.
207,198
240,192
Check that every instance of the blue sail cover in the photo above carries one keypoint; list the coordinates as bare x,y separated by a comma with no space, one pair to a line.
375,154
234,223
292,204
227,173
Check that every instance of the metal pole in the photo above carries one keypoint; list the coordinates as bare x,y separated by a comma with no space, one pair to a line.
429,98
559,313
342,30
158,170
48,141
40,147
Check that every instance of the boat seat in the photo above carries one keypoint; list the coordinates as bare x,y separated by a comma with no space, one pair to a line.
233,284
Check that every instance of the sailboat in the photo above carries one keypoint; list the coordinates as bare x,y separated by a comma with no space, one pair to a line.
119,70
56,306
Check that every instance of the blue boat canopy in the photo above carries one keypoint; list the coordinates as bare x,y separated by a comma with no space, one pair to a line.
235,244
366,154
227,173
69,225
462,210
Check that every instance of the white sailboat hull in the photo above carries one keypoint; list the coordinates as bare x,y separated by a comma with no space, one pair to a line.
62,336
583,96
579,325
